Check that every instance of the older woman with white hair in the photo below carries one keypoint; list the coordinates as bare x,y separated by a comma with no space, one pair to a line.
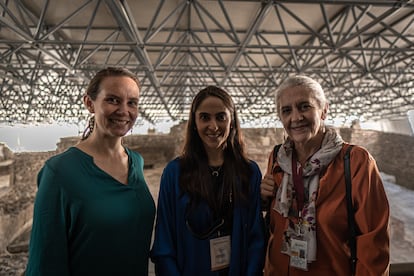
305,187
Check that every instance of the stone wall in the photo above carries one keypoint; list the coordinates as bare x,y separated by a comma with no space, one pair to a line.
393,152
28,164
16,207
156,150
6,169
260,142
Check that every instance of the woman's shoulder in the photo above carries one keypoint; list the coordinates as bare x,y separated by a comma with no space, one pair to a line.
173,165
65,165
134,154
253,165
170,175
256,173
356,152
69,155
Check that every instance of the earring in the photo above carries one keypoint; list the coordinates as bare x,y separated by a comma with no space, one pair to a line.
91,122
89,129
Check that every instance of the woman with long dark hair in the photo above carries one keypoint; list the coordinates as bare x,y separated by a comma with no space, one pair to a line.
208,219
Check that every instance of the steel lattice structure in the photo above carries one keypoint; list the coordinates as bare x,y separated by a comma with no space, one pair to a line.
361,51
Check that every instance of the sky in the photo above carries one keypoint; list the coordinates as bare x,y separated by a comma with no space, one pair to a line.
44,137
35,138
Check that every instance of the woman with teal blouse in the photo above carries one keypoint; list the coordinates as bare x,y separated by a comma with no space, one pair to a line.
93,212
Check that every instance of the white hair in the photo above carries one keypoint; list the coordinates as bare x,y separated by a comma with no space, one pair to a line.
304,81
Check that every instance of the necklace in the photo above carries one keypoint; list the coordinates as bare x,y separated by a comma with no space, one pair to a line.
215,171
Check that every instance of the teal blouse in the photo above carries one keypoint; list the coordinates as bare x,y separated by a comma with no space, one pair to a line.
87,223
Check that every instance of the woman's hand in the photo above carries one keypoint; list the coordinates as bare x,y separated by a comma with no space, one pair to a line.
267,187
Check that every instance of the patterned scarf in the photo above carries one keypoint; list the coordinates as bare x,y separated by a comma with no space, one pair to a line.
285,202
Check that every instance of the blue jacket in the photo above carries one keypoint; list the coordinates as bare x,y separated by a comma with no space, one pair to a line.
176,251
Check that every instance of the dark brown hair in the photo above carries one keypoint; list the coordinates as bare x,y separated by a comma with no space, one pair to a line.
195,177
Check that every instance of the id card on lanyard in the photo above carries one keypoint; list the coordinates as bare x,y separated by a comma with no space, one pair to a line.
298,244
220,251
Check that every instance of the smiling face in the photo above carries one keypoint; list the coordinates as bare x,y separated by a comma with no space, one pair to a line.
212,120
301,114
115,107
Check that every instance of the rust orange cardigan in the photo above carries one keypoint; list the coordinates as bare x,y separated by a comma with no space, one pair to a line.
371,216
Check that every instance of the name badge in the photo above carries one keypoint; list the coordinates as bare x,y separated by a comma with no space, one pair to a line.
220,250
298,253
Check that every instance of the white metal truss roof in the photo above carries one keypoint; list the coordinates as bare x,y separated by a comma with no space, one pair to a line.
361,51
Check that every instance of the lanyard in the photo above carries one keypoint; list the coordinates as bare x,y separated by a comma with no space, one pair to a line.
298,183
